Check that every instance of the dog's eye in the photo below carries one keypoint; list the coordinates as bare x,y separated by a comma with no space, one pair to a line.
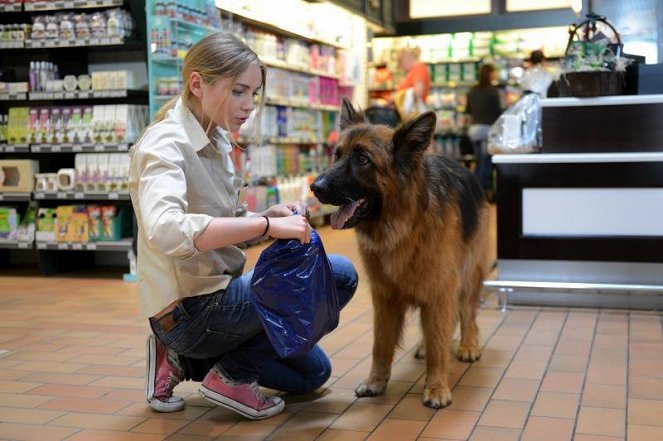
362,159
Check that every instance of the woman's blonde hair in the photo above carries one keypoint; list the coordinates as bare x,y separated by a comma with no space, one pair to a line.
216,56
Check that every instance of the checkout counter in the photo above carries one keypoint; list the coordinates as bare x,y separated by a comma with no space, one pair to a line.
581,223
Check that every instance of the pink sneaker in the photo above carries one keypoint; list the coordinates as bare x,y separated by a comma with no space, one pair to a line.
163,374
244,398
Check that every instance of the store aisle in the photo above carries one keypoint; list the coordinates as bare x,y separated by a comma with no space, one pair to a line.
72,366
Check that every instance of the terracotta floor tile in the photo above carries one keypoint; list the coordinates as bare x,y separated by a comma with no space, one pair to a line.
107,435
85,405
601,421
556,405
396,390
646,351
532,370
644,433
510,414
451,424
541,338
563,382
362,417
548,429
645,412
14,431
332,401
411,408
71,390
584,437
604,395
17,387
517,389
484,433
646,368
646,388
606,374
23,400
397,430
160,426
494,358
481,377
568,363
528,352
96,421
470,398
28,416
303,427
248,431
342,435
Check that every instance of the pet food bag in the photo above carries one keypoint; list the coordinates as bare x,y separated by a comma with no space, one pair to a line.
293,290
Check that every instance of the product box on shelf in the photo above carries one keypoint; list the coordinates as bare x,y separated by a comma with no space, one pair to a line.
18,125
115,223
9,222
26,230
72,224
17,175
46,224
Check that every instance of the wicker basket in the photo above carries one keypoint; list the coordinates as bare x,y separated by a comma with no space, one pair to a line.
588,84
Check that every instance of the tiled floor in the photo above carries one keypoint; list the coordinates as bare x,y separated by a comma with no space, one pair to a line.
75,360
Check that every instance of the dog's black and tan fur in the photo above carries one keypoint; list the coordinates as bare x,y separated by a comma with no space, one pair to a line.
422,227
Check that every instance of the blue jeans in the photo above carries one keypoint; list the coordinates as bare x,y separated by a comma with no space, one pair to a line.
224,325
478,134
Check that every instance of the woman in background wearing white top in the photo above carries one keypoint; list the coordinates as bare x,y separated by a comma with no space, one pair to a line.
191,282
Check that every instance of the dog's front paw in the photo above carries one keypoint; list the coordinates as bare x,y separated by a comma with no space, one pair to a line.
469,353
437,397
421,352
369,388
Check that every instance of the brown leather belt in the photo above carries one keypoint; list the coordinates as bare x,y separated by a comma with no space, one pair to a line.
165,317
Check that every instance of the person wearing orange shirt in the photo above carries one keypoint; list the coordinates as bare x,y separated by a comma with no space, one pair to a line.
417,77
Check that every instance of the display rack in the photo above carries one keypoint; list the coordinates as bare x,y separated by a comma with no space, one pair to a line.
72,56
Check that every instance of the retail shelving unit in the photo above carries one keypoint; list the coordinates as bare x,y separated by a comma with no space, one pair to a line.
73,56
173,28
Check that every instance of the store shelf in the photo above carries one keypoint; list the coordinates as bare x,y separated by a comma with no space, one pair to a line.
15,245
75,42
13,96
190,25
58,5
82,195
300,105
292,140
120,245
83,95
14,148
166,59
12,44
15,197
14,7
273,62
79,148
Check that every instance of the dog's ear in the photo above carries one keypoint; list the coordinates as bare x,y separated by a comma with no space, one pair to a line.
350,116
415,135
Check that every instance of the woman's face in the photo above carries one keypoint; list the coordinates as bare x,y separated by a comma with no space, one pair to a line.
228,102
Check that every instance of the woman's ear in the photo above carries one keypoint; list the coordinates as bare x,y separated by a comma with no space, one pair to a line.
196,83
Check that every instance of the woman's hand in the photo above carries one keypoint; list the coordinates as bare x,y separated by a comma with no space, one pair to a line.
290,227
286,209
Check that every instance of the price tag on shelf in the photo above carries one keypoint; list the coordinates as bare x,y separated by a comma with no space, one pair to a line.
79,195
23,245
2,197
39,195
36,149
77,246
99,148
56,148
70,95
42,245
10,149
62,195
77,148
63,246
91,246
113,196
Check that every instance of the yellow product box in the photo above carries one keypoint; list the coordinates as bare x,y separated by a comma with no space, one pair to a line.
17,175
63,216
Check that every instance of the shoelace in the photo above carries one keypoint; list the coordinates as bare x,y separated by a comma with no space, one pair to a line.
262,399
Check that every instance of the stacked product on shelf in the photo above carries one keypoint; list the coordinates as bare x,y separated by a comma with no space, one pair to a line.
87,124
53,195
173,27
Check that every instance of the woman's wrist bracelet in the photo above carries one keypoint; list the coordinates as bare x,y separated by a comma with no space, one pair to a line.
266,227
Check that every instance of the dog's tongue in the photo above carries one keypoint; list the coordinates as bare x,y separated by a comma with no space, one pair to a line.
341,216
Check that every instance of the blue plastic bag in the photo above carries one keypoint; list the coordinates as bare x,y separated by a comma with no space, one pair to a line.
294,292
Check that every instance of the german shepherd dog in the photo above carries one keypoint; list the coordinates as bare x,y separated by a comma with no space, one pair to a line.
422,227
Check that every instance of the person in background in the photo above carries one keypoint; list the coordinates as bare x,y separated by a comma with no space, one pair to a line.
537,77
417,75
191,281
484,106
